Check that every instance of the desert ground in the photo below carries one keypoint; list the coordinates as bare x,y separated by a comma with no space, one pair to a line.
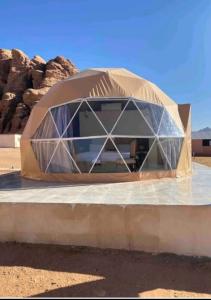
9,160
53,271
203,160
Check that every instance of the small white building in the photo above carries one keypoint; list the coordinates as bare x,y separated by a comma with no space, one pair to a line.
10,140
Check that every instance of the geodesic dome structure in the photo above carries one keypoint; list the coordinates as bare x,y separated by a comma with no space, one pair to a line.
106,125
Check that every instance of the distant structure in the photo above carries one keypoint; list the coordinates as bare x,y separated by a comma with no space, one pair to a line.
201,142
106,125
10,140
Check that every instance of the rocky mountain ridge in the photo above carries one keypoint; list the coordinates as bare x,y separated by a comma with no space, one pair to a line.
23,81
204,133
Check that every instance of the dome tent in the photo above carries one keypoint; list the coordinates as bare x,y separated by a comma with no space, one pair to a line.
106,125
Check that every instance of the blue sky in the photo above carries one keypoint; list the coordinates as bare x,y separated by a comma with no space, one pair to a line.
165,41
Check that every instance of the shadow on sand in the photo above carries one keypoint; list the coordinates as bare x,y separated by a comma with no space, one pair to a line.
124,273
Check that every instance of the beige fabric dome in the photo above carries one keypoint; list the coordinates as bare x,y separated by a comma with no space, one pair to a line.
114,86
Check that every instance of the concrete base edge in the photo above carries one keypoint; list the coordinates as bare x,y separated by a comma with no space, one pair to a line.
182,230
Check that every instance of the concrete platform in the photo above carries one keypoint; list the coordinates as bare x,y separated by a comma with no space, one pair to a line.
193,190
170,215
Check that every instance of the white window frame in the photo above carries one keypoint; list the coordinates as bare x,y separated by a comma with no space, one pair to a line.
107,135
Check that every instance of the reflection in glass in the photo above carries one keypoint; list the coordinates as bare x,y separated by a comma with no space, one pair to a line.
43,152
155,159
47,129
63,114
61,161
172,149
79,142
84,124
133,150
108,111
132,123
85,151
152,113
109,161
168,127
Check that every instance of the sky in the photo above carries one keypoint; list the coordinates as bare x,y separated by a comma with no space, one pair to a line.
165,41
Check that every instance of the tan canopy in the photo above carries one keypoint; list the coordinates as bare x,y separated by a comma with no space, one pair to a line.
104,83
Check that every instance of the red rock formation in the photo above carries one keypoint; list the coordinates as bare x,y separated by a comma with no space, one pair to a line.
23,82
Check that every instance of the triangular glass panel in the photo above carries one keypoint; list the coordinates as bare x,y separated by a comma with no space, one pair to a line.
168,127
43,152
47,129
84,124
108,111
132,123
172,149
61,161
109,161
155,159
133,150
85,152
152,113
63,114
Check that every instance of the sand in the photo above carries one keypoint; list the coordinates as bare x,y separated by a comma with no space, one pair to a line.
50,271
9,160
203,160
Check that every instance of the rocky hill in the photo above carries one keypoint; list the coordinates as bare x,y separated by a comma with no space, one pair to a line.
23,82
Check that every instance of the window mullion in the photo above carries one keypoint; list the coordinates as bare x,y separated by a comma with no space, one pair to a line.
119,116
52,157
96,116
98,155
72,119
147,155
71,157
120,154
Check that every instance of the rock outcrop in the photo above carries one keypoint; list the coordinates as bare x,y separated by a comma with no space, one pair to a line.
23,82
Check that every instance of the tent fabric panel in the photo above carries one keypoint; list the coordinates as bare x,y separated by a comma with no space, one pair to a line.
99,177
184,166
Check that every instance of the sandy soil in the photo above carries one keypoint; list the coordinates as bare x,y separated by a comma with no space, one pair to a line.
9,159
50,271
203,160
